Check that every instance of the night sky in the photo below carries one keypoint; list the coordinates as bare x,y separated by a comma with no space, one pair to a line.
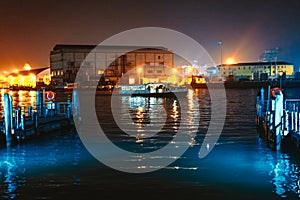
29,29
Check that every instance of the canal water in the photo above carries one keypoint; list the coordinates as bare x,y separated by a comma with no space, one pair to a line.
241,166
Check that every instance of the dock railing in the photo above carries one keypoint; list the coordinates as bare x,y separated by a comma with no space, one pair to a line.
277,117
20,122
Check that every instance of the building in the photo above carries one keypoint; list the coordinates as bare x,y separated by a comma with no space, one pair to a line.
256,70
134,64
26,78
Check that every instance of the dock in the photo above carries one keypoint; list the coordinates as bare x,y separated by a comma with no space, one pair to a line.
278,118
21,123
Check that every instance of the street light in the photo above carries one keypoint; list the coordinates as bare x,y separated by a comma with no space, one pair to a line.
220,44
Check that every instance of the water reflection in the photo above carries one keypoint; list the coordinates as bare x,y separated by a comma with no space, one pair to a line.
66,162
284,173
12,171
21,98
156,113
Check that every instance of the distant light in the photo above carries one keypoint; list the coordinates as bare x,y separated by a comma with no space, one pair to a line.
139,70
230,61
15,71
27,67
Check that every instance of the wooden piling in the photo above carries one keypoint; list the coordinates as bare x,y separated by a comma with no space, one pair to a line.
27,122
8,119
76,106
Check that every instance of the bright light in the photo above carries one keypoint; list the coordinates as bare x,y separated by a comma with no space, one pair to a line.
16,71
139,70
27,67
230,61
174,70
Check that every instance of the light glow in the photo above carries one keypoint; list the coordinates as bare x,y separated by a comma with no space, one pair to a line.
27,67
230,61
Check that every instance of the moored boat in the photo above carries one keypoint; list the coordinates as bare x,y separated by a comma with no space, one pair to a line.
152,90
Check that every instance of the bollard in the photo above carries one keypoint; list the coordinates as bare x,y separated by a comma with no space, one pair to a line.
262,98
39,102
76,105
8,119
23,128
36,123
278,120
69,110
18,117
30,112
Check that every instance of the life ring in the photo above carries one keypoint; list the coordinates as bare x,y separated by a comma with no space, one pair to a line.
50,95
275,91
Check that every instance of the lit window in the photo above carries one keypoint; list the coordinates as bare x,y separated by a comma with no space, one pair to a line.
110,72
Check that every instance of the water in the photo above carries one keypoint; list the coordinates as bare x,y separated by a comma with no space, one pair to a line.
240,166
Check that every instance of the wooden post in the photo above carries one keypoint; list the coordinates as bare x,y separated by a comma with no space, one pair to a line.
76,106
18,117
23,127
262,98
39,102
278,120
269,99
36,122
30,112
8,119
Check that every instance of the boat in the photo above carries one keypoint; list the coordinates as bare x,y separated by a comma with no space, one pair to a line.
152,90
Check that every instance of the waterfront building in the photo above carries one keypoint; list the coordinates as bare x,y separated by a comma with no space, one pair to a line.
256,70
26,78
134,64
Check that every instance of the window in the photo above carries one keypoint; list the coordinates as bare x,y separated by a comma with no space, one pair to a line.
159,71
150,71
110,72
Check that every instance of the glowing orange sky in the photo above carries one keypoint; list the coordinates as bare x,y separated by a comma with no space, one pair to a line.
30,29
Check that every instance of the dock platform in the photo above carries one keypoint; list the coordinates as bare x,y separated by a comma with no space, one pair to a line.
20,123
278,118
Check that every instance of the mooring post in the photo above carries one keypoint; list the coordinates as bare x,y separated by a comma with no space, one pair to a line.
18,117
8,119
30,112
278,120
23,128
76,106
39,102
269,98
36,122
262,98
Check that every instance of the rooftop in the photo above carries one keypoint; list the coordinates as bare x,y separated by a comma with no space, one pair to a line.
257,63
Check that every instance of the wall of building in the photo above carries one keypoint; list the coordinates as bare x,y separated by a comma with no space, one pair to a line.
255,70
111,62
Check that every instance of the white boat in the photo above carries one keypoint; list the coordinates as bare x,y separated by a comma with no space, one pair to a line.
152,89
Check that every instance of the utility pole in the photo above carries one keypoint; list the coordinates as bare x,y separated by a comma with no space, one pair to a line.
220,44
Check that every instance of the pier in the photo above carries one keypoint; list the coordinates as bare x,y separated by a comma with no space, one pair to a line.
277,118
19,123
